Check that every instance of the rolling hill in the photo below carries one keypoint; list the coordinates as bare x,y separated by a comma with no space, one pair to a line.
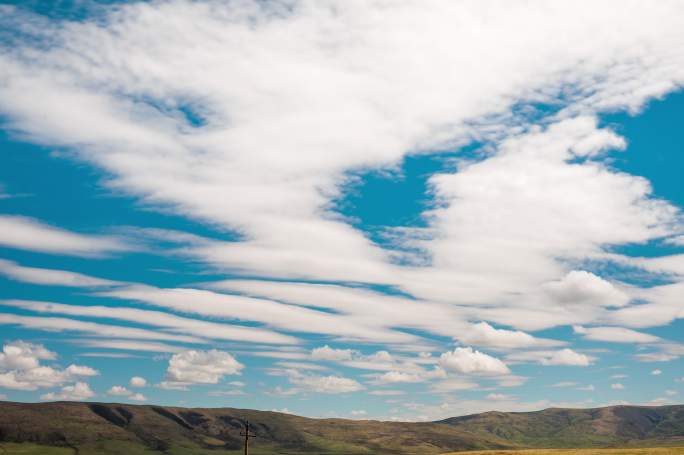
107,428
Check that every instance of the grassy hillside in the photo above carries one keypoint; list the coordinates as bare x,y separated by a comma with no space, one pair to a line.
97,428
601,427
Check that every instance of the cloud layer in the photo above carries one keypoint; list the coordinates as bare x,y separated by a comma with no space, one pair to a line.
255,118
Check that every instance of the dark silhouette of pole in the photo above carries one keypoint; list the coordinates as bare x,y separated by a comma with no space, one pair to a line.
247,435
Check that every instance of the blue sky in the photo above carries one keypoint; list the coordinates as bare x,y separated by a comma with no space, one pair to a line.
363,210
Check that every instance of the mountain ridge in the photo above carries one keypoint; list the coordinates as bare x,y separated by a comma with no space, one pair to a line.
113,428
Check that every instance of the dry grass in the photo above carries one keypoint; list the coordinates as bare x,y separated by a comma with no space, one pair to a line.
630,451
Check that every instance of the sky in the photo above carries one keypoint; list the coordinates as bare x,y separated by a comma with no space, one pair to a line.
386,209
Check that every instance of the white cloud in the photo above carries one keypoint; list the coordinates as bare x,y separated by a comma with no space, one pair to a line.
138,397
566,357
302,366
119,391
617,386
113,94
452,385
387,392
655,357
20,355
565,384
80,370
172,385
468,361
227,393
389,107
512,381
29,234
194,327
91,328
656,372
285,317
80,391
561,357
137,381
588,388
328,353
201,367
664,352
21,368
326,384
580,287
483,334
129,345
499,397
49,276
615,335
398,377
381,309
662,304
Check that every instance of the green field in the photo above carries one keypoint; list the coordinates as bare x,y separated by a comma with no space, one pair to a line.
33,449
630,451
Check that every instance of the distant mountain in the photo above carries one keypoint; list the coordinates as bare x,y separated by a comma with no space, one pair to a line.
127,429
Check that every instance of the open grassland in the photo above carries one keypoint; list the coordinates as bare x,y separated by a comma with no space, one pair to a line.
611,451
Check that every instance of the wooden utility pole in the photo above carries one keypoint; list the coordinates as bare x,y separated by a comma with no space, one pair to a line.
247,435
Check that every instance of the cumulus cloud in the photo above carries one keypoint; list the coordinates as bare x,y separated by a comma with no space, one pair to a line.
21,368
80,391
120,391
656,372
617,386
201,367
79,370
469,361
20,355
137,381
580,287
